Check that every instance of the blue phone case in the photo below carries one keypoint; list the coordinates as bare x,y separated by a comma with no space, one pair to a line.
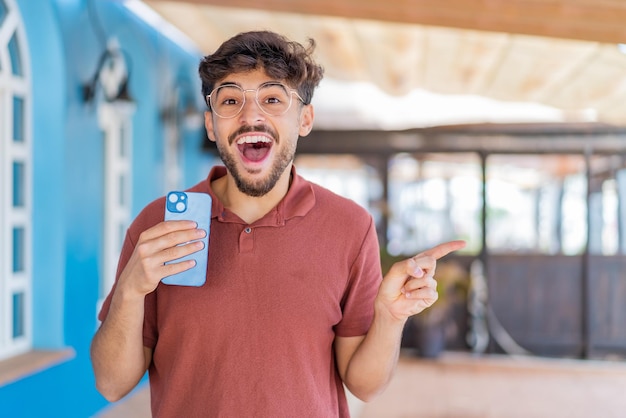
195,207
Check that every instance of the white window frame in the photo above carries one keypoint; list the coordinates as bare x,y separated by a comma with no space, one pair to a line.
11,217
171,146
115,119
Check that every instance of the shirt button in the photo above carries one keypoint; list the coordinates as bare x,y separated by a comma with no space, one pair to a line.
247,230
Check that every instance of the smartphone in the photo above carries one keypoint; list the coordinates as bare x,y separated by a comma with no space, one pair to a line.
190,206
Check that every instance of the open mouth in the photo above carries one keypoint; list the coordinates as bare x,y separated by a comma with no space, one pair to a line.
254,148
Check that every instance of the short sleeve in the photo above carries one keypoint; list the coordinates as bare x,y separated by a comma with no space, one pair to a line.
363,284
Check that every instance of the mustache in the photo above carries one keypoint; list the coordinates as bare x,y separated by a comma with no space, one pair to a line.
245,129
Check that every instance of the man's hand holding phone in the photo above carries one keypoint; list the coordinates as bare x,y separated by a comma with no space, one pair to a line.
156,248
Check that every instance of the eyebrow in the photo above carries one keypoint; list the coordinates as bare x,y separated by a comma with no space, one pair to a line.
233,83
228,83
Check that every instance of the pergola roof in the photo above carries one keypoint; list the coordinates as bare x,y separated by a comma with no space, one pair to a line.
563,54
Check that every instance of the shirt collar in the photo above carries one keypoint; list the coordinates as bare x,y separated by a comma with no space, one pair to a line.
298,201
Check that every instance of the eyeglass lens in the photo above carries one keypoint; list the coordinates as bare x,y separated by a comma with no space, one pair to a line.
228,100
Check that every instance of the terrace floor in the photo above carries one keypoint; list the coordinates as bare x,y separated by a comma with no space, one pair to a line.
462,385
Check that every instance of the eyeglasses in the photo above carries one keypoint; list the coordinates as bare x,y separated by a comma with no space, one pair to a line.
273,99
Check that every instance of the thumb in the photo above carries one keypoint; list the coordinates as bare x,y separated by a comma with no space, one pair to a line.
400,272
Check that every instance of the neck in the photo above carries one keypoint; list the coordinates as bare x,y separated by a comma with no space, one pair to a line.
250,208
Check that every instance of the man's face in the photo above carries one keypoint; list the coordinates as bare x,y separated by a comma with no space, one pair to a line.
256,148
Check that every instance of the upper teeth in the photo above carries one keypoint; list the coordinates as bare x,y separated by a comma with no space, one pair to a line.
252,140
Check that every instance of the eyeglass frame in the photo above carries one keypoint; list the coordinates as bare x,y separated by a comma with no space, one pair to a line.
256,97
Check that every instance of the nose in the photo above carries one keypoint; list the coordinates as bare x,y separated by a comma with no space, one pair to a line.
251,109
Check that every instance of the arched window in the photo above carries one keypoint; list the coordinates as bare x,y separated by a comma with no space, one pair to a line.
15,186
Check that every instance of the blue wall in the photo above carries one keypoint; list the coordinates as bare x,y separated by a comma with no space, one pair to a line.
65,40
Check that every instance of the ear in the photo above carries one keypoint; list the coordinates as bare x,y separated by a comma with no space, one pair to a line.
208,124
306,120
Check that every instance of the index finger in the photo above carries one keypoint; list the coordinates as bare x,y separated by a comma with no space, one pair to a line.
444,249
165,227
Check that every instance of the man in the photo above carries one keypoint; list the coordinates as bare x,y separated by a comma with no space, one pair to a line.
293,306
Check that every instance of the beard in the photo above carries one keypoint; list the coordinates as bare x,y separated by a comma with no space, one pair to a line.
260,187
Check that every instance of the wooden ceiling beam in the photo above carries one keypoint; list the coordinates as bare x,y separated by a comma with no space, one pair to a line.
589,20
539,138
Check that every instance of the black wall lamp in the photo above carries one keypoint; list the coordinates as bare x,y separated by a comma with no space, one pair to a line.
111,74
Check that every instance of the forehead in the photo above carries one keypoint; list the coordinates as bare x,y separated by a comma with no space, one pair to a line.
247,80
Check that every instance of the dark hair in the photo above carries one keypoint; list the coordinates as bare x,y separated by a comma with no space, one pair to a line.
279,57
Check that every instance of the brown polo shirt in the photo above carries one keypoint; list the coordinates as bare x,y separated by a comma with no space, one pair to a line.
257,338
